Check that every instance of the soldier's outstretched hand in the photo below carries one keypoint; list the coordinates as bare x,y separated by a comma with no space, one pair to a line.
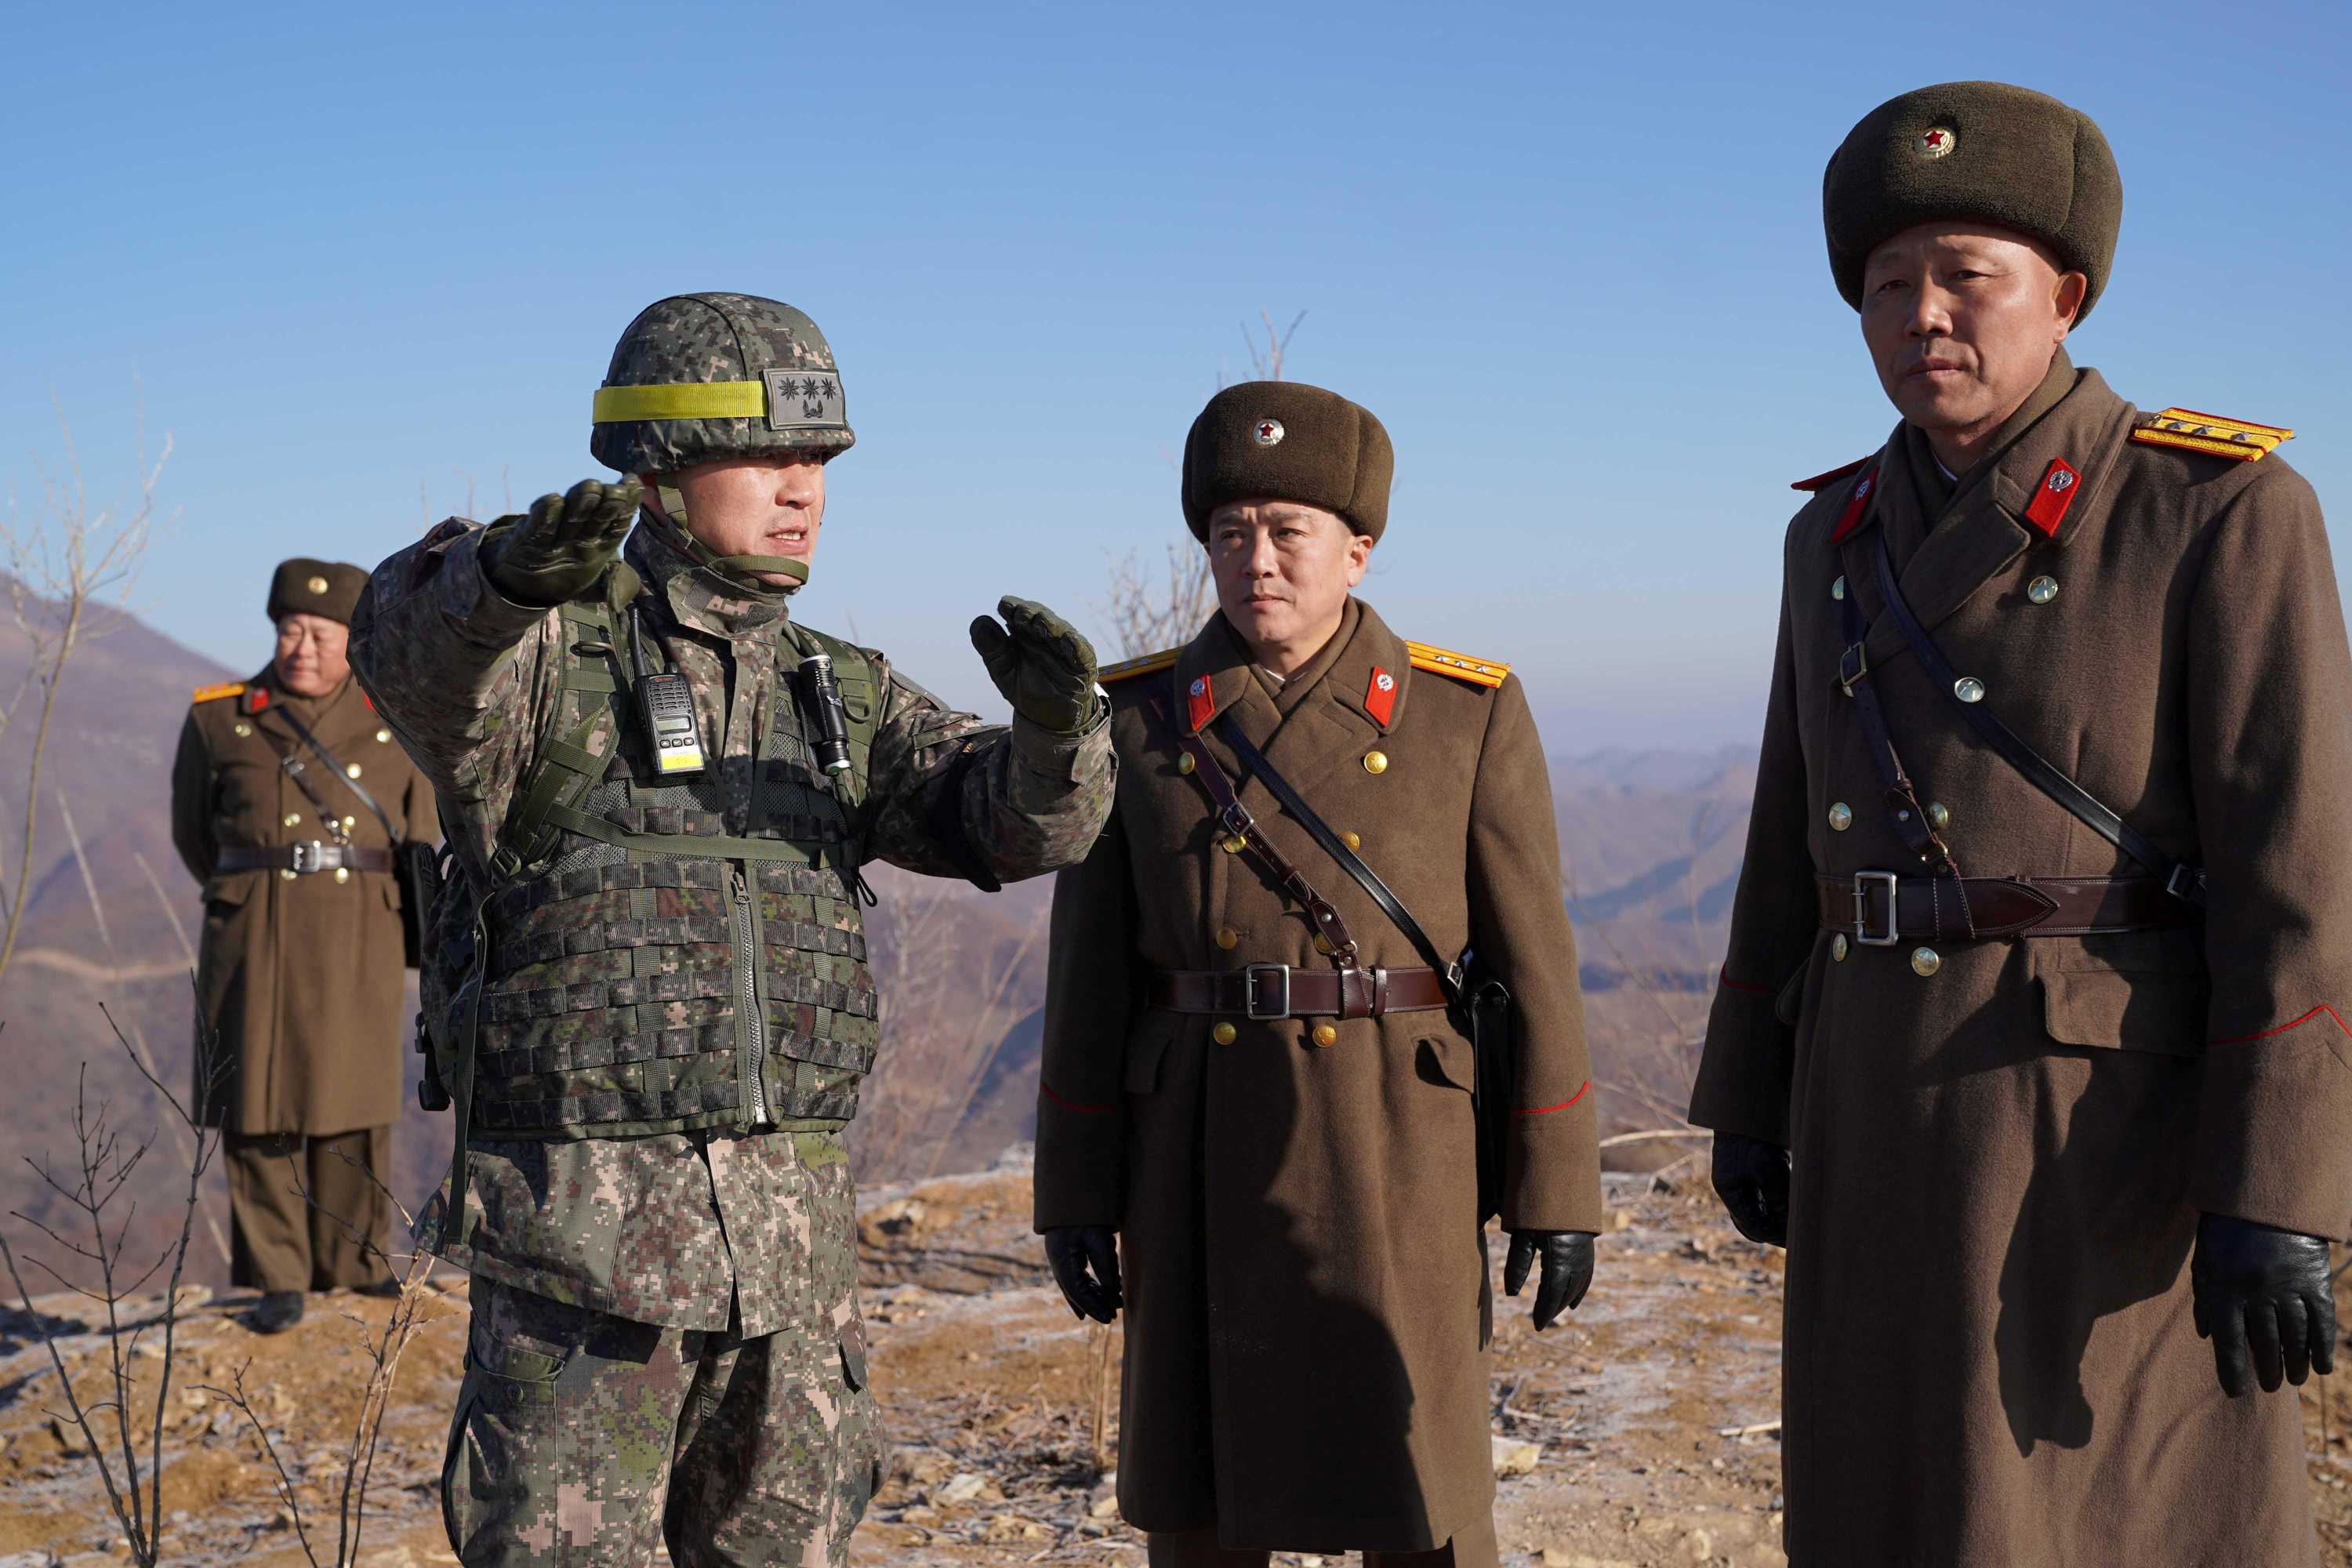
1045,670
1567,1270
1085,1261
555,551
1751,1177
2262,1295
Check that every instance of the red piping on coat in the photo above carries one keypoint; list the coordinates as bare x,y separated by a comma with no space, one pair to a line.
1725,975
1563,1105
2283,1028
1074,1105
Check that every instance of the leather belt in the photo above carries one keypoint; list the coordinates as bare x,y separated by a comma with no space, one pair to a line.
303,858
1264,990
1879,909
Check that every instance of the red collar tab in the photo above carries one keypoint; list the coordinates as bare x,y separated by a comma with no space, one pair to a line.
2061,483
1856,505
1199,705
1380,697
1823,481
255,698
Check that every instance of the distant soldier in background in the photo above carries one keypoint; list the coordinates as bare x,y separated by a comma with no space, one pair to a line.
2041,963
288,796
1258,1089
649,994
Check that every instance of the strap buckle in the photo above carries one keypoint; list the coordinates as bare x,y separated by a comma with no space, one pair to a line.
1852,665
2185,883
309,856
1863,882
1253,977
1237,819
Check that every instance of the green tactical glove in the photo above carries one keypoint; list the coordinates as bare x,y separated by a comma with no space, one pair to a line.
1045,670
556,552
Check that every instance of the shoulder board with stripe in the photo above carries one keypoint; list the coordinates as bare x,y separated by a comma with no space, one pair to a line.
1128,669
1460,666
214,693
2209,434
1823,481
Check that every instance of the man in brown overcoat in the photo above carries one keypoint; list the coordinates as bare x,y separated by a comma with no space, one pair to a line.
288,796
1250,1074
2041,956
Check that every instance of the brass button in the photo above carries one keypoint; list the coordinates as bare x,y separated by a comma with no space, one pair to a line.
343,873
351,770
240,728
1376,762
293,819
1968,688
350,823
1184,764
1325,1035
1838,947
1940,815
1223,1034
1841,817
1233,844
285,873
2041,589
1353,841
1837,589
1924,961
316,584
382,736
1228,938
1323,945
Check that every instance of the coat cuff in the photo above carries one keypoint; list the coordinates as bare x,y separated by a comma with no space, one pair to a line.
2272,1120
1551,1174
1063,758
1081,1170
1744,1073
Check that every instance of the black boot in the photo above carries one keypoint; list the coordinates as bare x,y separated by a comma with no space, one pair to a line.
278,1310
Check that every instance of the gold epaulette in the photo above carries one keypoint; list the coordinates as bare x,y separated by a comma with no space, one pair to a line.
1132,667
1823,481
2209,434
1460,666
214,693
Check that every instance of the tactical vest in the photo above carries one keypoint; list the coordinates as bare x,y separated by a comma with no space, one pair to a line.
663,956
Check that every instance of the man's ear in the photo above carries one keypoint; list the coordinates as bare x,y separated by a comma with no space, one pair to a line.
1359,556
2072,288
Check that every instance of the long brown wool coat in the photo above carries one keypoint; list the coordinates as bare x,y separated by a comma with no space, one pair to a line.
301,978
1998,1166
1305,1280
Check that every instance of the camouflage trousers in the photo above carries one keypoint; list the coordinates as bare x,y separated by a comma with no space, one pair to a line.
581,1437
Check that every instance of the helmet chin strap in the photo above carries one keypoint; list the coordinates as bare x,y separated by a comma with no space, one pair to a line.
737,569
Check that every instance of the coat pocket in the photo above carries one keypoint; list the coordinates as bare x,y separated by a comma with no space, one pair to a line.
506,1375
2133,1012
1446,1059
1147,1045
853,1353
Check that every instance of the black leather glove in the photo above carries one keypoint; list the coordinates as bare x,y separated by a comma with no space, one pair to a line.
2261,1292
1567,1270
1751,1177
1085,1261
1045,670
556,552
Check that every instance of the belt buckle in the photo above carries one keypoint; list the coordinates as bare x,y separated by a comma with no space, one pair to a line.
1862,880
1250,977
309,856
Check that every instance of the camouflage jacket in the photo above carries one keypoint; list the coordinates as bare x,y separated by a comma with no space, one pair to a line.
673,1229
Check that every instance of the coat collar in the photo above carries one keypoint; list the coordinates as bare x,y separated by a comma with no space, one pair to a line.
1332,724
698,598
2031,495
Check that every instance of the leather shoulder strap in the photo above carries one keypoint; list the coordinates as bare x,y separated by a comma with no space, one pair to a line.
2181,879
344,774
1332,844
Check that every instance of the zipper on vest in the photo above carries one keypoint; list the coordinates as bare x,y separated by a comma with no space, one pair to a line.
750,1027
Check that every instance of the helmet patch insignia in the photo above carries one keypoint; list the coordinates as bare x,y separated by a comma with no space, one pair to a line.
1267,432
799,399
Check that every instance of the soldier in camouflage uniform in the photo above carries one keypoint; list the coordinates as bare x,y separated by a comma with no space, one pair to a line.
648,996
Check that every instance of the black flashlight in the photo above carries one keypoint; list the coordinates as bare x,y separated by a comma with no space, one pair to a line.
831,742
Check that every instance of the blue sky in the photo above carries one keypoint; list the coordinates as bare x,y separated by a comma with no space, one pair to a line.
1571,256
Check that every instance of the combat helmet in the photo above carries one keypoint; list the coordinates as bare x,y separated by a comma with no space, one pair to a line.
699,378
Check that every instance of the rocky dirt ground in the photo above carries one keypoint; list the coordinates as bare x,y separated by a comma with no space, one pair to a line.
1638,1433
